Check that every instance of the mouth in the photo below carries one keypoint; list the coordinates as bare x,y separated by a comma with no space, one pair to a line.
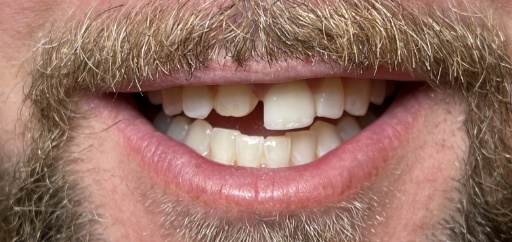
267,146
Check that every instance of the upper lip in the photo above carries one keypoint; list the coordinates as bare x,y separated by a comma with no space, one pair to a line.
216,73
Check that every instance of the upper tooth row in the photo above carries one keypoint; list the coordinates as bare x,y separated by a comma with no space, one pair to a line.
287,105
233,148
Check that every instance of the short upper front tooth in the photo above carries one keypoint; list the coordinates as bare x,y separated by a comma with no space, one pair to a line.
288,106
348,127
172,101
155,97
277,151
327,137
303,146
197,101
249,150
357,96
198,137
223,146
178,128
329,98
235,100
378,93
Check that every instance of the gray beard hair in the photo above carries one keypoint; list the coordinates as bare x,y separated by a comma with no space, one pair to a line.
455,52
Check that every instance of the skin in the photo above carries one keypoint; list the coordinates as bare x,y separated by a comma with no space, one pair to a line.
117,189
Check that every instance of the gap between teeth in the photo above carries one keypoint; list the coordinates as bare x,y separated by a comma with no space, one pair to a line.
287,106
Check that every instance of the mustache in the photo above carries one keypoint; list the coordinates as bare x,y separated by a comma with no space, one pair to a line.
453,51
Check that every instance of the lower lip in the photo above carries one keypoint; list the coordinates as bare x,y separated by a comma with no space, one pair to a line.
331,178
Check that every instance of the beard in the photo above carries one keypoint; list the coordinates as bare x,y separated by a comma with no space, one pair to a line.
464,54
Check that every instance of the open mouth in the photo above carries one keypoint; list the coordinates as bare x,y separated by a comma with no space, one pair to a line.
266,145
268,125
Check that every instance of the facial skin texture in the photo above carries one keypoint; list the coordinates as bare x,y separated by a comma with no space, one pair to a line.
67,179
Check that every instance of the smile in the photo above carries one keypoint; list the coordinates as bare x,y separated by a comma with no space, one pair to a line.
267,146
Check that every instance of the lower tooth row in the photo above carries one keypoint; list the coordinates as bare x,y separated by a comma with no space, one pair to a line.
231,147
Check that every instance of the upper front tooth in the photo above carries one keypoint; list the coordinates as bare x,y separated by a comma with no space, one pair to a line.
327,137
198,137
329,98
223,145
288,106
378,92
197,101
172,101
357,96
235,100
277,151
249,150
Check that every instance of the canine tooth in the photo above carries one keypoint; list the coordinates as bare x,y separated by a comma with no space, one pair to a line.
303,146
378,92
198,137
178,128
249,150
288,106
329,98
235,100
348,127
197,101
172,100
223,145
155,97
277,151
357,96
327,137
162,122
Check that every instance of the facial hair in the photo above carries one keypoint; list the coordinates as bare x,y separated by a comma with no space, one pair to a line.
455,52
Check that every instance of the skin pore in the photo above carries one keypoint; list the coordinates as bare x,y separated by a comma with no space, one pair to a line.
56,182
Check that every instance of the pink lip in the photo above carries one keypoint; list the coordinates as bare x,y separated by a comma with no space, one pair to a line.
328,179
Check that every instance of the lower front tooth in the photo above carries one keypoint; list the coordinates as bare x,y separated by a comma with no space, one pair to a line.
198,137
327,137
303,146
223,146
249,150
277,151
197,101
348,127
178,128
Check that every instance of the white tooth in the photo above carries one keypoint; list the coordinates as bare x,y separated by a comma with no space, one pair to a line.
198,137
357,96
329,98
235,100
172,101
197,101
327,137
348,127
277,151
179,128
223,145
303,146
378,91
162,122
155,97
288,106
249,150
